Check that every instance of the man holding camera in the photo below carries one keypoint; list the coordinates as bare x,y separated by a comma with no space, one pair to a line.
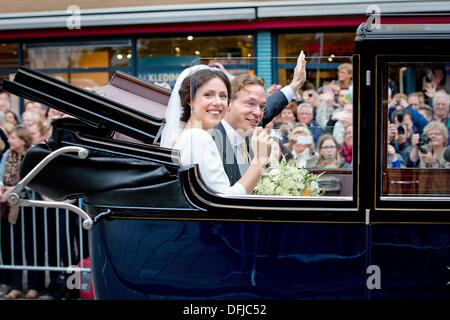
399,102
399,136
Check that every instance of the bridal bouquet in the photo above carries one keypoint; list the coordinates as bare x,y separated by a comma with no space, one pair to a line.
288,180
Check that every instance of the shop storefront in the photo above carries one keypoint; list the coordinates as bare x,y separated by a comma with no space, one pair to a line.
91,63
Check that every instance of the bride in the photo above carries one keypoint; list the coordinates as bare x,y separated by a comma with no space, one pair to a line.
198,102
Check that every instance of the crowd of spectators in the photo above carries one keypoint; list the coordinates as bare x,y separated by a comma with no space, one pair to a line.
22,236
315,129
418,130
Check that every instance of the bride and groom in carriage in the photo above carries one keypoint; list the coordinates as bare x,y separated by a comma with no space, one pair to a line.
218,124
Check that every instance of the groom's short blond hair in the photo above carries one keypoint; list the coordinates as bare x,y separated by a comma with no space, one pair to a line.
240,82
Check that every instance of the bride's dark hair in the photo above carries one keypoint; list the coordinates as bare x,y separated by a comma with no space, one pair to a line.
190,85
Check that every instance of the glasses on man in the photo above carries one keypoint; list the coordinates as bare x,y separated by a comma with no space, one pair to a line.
251,104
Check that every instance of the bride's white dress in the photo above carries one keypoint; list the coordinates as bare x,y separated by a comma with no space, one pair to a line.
196,146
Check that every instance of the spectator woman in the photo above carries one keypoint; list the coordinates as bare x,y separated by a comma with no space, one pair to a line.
12,118
328,153
345,76
19,142
347,146
288,121
301,147
430,153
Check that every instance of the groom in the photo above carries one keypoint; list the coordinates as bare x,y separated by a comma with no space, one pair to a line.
248,109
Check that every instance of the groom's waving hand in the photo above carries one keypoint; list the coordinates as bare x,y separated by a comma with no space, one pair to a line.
248,109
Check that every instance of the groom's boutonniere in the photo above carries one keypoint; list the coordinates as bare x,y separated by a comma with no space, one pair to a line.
288,180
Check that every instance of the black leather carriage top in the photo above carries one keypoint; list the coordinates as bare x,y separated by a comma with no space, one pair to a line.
93,108
117,173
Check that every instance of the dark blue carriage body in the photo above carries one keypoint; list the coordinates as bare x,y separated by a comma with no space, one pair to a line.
159,233
238,260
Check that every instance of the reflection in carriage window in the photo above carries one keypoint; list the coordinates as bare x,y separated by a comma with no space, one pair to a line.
416,106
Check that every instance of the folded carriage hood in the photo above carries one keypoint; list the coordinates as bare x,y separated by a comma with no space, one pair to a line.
88,106
116,173
100,171
105,179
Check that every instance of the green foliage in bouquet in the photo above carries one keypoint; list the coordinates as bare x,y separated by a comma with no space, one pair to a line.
288,180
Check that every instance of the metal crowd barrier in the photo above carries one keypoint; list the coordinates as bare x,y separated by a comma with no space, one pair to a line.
65,240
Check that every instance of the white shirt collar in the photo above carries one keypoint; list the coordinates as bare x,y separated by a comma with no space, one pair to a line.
233,136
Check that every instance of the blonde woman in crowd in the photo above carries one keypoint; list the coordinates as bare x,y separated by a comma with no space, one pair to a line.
38,132
19,141
345,76
29,118
301,147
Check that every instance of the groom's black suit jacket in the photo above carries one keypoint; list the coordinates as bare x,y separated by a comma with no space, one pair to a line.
274,105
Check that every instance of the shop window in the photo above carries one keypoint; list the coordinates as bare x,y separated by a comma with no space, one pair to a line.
9,61
86,80
161,60
70,55
330,46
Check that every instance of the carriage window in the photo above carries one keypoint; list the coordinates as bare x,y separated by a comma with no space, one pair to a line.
312,135
416,157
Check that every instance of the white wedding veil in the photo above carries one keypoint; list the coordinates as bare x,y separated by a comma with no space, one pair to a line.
174,126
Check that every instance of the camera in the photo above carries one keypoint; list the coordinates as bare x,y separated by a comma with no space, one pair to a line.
428,76
398,102
401,129
400,116
423,141
304,140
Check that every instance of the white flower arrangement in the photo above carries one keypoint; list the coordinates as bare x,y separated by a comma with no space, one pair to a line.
288,180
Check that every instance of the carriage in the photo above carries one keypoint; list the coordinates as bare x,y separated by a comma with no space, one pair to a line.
157,232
